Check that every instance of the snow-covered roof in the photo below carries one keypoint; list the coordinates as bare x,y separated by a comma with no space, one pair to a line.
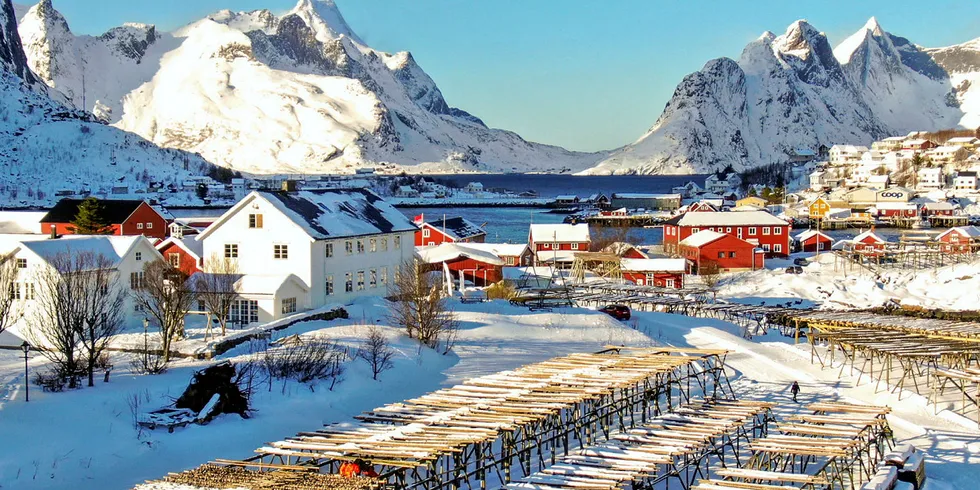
701,238
916,142
962,139
564,233
567,197
940,206
639,195
947,149
112,247
500,249
330,213
552,256
743,218
456,227
904,206
967,231
654,265
804,152
620,248
193,247
808,234
879,179
895,139
868,234
445,252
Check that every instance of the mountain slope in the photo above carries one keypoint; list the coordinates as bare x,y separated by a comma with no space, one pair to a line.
46,146
260,93
794,91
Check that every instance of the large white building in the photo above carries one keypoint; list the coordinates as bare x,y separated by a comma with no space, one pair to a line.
306,249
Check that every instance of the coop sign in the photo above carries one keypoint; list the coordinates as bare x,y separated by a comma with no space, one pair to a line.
892,194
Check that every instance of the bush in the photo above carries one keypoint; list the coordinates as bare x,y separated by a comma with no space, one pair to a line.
307,362
502,290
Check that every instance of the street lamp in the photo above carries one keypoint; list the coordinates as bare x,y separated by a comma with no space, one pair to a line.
27,349
146,346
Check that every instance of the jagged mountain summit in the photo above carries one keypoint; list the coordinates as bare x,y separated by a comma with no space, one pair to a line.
260,93
46,146
794,91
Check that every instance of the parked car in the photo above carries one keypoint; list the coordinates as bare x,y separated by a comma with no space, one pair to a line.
800,261
794,270
619,312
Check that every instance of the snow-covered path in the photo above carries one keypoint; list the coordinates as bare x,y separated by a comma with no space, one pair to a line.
766,366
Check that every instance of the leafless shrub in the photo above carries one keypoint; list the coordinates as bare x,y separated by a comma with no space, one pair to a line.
308,362
419,305
376,352
215,287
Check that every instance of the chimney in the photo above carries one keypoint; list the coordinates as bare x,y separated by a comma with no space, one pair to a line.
289,185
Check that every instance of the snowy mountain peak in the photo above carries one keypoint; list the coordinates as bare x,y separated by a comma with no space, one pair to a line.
325,19
874,27
12,55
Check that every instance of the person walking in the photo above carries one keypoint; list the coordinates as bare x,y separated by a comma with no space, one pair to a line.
795,390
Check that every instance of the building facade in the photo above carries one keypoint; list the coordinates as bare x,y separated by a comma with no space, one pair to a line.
758,228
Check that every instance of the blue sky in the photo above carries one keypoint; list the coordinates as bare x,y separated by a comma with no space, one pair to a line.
587,75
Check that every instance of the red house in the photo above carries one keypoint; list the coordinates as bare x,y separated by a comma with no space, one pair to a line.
184,254
513,254
665,273
918,145
558,243
942,208
758,228
624,250
813,241
868,241
898,209
702,207
962,239
447,230
728,252
126,217
480,267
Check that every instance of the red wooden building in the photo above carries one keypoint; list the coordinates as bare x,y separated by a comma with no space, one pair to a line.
758,228
183,253
941,208
624,250
447,230
728,252
125,216
813,241
665,273
962,239
558,243
478,266
897,209
702,207
868,241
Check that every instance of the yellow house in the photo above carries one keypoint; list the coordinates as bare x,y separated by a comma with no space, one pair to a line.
819,208
751,201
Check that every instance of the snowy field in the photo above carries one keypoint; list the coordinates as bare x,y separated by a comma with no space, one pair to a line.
85,438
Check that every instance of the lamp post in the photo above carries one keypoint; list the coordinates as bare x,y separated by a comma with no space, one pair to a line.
146,346
27,349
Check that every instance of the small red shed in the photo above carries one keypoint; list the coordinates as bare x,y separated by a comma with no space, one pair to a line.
962,239
184,254
447,230
728,252
125,216
813,241
480,267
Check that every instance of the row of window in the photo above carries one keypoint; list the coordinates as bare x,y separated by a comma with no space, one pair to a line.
371,278
23,291
556,245
139,226
766,230
279,251
372,245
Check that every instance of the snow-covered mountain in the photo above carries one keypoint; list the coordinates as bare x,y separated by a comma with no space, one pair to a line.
46,146
260,93
795,91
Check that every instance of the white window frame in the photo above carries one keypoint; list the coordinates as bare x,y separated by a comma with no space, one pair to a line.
574,246
149,225
398,242
373,279
349,282
778,248
777,230
752,231
360,246
766,230
349,247
288,305
328,285
765,247
170,258
280,251
231,250
695,230
139,226
426,233
384,244
373,245
328,250
360,280
21,263
138,256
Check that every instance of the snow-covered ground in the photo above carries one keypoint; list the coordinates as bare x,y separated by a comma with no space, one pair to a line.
954,287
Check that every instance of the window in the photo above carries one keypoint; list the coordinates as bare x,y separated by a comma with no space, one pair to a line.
360,280
384,244
349,282
360,246
765,230
751,230
329,249
280,251
721,255
555,246
728,230
255,221
288,305
15,290
21,263
574,246
244,311
174,259
820,245
777,230
329,285
778,248
670,283
29,291
740,232
149,226
137,280
139,226
374,278
545,245
231,250
384,276
139,256
426,232
731,255
374,245
349,246
398,242
695,230
765,247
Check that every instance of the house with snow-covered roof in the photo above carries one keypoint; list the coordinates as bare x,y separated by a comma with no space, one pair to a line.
183,254
948,154
478,265
846,153
443,229
969,143
558,242
340,244
756,227
965,181
124,217
708,250
812,241
962,239
918,144
661,272
931,178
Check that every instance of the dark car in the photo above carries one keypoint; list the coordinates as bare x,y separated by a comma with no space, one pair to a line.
800,261
794,270
619,312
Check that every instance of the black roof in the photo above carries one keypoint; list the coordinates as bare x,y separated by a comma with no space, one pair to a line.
333,213
966,174
114,211
457,227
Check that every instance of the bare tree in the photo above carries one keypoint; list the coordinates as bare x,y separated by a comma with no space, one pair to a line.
215,287
613,236
8,277
102,313
164,294
376,352
420,306
710,274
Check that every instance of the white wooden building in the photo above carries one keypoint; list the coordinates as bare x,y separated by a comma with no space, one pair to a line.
306,249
